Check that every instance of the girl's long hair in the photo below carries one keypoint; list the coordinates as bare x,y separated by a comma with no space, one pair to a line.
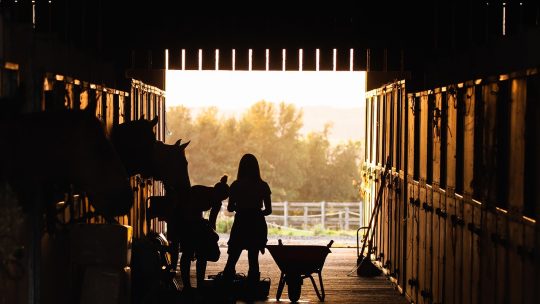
248,169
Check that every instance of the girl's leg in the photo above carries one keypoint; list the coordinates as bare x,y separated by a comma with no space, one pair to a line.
173,250
185,264
253,259
234,255
201,270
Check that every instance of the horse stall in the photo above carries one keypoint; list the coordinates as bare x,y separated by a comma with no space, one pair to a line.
112,107
76,260
458,217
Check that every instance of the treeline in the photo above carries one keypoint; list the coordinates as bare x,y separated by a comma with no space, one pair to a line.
297,168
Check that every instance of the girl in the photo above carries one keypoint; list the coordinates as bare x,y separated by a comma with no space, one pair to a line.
248,194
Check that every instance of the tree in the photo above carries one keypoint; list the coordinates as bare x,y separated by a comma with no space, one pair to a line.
179,124
297,168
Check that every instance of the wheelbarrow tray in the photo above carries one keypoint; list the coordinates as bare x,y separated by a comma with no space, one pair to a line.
296,263
299,259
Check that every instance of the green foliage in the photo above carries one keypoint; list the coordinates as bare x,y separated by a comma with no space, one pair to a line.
224,225
297,168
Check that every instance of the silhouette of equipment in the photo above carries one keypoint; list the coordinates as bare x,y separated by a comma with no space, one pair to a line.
364,265
298,262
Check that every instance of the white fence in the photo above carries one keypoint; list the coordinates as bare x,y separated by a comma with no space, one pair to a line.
306,215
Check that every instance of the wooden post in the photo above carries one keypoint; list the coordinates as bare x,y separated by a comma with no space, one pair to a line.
285,214
323,214
305,217
340,218
346,218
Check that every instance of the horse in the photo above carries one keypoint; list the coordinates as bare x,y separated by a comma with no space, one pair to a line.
60,148
134,141
169,164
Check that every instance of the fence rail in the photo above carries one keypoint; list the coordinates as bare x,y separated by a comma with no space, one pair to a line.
305,215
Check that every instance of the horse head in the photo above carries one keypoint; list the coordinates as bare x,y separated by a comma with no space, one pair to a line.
171,166
73,149
134,141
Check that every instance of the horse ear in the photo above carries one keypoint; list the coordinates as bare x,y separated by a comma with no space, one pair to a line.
155,121
183,146
177,143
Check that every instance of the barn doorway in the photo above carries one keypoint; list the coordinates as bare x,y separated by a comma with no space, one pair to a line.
304,123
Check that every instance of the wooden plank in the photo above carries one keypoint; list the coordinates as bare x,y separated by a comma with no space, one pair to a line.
411,271
375,132
501,260
528,263
449,293
517,145
436,272
395,243
412,248
428,284
459,231
468,175
367,130
410,135
516,284
516,171
466,279
451,144
422,259
450,239
475,255
438,248
380,131
388,126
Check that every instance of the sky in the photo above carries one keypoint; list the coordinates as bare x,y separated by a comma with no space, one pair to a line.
240,89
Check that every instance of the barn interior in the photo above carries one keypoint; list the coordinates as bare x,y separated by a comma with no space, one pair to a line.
452,104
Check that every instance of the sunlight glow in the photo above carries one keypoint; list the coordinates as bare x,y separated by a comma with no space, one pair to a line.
240,89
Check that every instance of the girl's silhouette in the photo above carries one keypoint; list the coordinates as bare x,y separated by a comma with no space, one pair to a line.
249,193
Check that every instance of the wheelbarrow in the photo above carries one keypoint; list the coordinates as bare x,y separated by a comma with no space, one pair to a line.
298,262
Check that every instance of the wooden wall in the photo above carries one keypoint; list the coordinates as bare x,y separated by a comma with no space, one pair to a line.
457,223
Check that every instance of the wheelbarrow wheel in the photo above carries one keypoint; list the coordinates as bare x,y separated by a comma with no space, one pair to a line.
294,287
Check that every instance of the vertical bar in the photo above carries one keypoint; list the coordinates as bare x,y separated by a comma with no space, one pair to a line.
183,59
233,59
504,19
217,59
334,59
351,60
323,214
200,59
166,60
250,60
347,218
317,59
283,59
286,214
267,59
300,60
306,211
